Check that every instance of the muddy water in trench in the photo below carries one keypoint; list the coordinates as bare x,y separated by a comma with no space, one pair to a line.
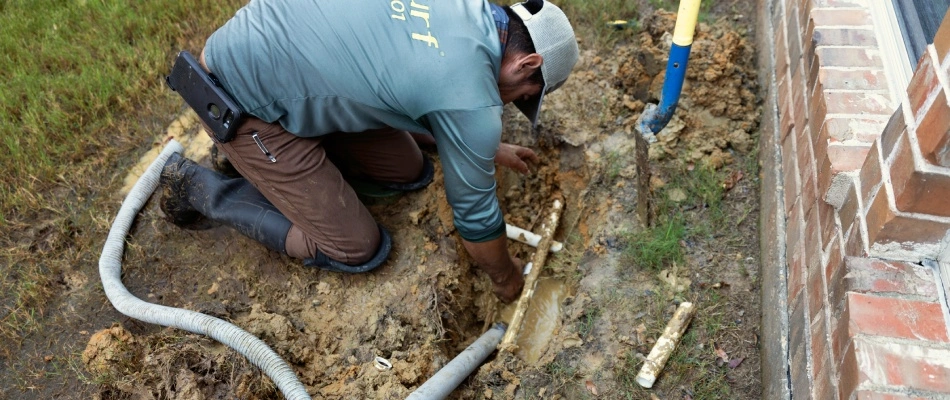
540,320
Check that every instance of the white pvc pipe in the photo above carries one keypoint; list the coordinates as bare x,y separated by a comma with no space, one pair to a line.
529,238
440,385
110,269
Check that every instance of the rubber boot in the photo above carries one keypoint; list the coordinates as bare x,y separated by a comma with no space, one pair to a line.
193,195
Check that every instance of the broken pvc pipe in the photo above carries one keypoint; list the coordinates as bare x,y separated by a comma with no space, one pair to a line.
440,385
666,344
530,281
529,238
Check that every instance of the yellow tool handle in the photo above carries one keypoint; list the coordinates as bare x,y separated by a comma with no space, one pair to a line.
686,22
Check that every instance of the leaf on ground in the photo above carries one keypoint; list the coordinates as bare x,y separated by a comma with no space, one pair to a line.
735,362
591,388
721,356
732,180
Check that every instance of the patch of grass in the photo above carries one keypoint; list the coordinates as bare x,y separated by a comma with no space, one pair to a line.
587,322
614,162
76,74
590,20
82,89
561,372
657,247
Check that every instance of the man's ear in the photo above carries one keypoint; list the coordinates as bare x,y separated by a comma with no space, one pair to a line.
530,62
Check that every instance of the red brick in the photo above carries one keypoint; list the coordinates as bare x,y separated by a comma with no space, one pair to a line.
817,112
870,175
855,240
850,375
821,368
870,275
865,394
901,165
910,232
841,4
787,119
795,251
835,270
798,350
914,190
895,318
799,107
840,337
806,164
942,38
849,209
813,245
781,53
846,158
790,175
811,81
892,132
793,34
815,287
840,158
924,193
858,103
864,129
828,220
848,57
922,85
913,366
800,384
844,37
934,128
808,46
849,79
942,155
841,17
878,214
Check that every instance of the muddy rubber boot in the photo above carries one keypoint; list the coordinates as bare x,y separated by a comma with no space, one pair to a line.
193,195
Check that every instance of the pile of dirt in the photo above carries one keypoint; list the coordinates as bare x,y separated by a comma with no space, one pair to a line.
718,110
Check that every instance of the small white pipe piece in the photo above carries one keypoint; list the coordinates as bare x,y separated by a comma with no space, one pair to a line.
529,238
666,344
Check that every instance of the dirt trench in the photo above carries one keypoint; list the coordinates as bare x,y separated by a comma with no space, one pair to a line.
428,301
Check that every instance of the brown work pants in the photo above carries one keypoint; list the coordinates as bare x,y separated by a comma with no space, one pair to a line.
307,186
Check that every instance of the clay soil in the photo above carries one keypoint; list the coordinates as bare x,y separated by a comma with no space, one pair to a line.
428,301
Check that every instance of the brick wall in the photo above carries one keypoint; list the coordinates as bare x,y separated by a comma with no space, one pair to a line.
866,200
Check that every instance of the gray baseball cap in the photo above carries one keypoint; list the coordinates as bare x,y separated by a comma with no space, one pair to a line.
553,39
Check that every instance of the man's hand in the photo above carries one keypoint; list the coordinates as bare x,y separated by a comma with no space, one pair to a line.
503,269
515,157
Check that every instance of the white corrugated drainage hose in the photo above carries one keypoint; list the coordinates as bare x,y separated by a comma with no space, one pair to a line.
110,269
440,385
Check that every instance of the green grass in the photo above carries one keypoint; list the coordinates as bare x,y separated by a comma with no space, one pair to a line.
690,195
77,76
657,247
82,90
590,20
